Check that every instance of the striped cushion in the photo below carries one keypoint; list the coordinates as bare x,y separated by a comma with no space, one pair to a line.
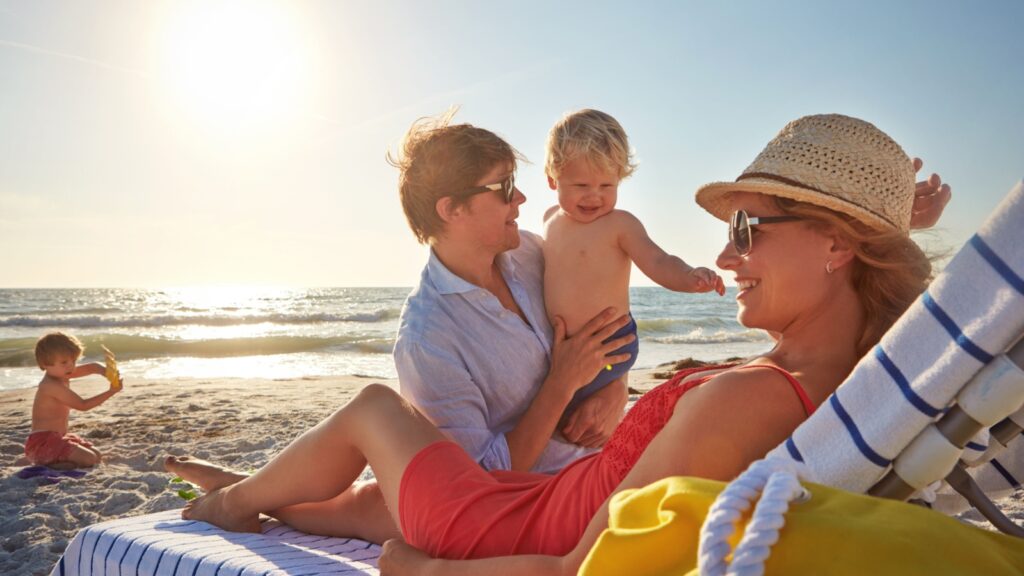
164,544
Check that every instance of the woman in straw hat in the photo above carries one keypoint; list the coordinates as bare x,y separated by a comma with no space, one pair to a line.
820,250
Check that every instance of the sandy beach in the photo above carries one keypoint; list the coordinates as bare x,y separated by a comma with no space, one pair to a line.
238,422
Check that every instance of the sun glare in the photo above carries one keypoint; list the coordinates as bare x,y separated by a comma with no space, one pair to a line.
235,64
239,297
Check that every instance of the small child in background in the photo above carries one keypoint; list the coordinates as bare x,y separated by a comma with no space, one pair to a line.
49,443
589,246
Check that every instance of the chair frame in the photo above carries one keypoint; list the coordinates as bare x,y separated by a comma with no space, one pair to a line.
957,426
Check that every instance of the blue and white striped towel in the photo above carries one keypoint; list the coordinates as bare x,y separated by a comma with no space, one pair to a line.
972,311
164,544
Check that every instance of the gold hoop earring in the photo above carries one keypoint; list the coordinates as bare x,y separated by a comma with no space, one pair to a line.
828,267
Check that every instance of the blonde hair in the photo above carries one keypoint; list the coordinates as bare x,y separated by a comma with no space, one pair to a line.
889,269
439,159
56,344
592,135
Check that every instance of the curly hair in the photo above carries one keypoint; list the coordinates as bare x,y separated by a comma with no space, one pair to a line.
592,135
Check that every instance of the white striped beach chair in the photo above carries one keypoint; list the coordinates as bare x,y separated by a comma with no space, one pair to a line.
164,544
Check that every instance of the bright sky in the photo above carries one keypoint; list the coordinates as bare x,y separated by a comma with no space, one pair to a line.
216,142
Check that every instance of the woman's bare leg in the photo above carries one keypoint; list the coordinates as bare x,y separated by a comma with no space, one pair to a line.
206,475
378,427
358,512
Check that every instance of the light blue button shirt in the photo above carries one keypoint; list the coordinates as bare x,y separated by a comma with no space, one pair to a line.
471,365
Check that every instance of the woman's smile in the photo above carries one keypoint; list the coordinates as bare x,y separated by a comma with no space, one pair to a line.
745,285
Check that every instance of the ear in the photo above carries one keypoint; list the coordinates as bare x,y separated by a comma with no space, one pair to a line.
447,209
840,251
552,183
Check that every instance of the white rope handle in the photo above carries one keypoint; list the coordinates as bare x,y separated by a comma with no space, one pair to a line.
777,482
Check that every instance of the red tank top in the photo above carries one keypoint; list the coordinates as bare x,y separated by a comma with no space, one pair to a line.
653,410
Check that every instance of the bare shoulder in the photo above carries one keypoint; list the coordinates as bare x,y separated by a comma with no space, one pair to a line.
624,223
550,212
749,402
622,217
757,385
627,224
733,419
49,386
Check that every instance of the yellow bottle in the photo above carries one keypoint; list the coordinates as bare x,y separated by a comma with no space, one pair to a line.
112,373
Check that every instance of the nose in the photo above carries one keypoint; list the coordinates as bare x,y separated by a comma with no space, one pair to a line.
517,196
728,258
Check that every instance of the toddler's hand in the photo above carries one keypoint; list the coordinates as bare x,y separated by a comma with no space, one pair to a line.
707,280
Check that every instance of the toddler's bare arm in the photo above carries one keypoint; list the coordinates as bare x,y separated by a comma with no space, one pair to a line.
88,370
71,399
664,268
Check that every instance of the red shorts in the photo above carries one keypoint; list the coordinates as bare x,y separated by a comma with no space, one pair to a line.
450,507
48,447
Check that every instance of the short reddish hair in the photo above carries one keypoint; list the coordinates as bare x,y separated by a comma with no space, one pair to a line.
55,344
439,159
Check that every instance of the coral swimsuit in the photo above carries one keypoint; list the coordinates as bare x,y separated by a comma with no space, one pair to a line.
451,508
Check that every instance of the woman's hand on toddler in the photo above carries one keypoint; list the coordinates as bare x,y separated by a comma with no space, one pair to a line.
577,358
593,421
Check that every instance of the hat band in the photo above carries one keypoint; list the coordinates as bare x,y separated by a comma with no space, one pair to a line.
781,179
790,182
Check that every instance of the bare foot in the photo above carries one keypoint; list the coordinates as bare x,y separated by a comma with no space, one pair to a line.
399,558
206,475
214,509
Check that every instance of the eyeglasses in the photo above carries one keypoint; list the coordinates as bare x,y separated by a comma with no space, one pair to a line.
739,229
507,187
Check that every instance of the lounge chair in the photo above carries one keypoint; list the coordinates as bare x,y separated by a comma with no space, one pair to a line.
164,544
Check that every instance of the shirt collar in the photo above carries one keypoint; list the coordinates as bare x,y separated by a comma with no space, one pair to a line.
444,279
447,282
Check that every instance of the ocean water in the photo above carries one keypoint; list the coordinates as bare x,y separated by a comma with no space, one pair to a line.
293,333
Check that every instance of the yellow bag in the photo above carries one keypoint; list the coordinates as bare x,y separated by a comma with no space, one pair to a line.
655,529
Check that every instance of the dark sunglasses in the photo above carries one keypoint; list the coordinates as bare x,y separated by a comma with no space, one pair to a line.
507,187
739,229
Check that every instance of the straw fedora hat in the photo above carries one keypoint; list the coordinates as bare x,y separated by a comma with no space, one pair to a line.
830,160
